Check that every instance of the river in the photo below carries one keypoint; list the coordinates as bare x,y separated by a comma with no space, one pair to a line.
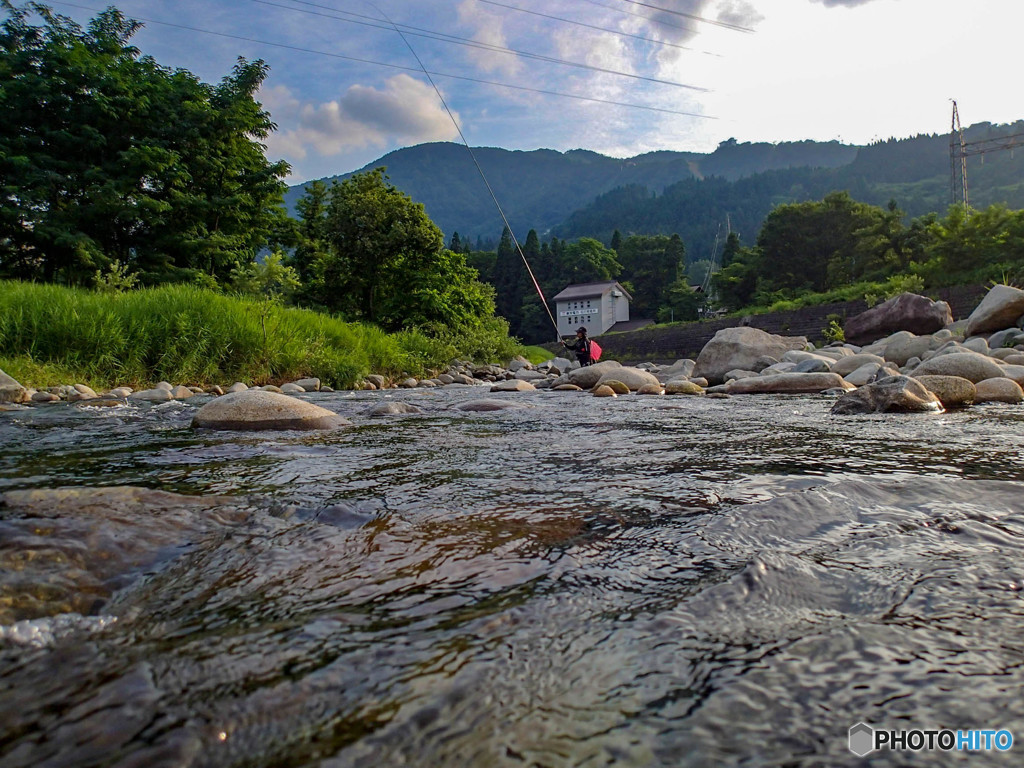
639,581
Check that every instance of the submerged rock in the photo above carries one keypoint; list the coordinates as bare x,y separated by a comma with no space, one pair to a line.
488,405
895,394
259,409
392,409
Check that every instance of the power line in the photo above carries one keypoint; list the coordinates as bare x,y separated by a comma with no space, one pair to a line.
702,19
389,65
594,26
442,37
661,22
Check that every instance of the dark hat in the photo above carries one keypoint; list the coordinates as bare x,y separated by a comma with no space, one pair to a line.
582,330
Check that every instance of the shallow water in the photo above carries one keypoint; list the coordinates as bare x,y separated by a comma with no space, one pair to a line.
639,581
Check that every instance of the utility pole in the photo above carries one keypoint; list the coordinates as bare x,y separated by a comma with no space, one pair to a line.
959,151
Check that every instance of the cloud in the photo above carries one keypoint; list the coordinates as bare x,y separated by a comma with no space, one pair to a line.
842,3
405,110
487,27
740,13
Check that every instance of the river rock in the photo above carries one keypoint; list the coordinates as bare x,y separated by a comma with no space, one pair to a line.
787,383
863,375
374,378
683,387
312,384
152,395
901,347
259,409
181,393
895,394
513,385
238,386
518,363
1015,373
952,391
680,369
906,312
1006,339
164,385
651,389
603,390
851,363
999,391
633,378
616,386
1001,308
290,388
45,397
11,391
966,364
101,402
76,395
741,347
488,405
445,378
119,392
528,374
813,365
392,409
588,375
567,388
408,383
216,389
977,344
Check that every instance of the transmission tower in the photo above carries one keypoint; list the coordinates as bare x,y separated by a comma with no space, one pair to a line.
959,151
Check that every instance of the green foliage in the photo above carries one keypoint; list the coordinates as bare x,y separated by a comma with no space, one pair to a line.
834,331
116,279
893,287
106,155
185,334
681,303
269,279
651,264
370,253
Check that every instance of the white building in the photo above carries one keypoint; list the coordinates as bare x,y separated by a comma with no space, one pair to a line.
598,306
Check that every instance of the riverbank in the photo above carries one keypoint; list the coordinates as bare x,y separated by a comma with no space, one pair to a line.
51,335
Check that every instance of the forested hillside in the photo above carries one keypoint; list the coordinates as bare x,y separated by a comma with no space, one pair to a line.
539,189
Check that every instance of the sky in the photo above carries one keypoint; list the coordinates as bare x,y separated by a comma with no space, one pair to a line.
619,77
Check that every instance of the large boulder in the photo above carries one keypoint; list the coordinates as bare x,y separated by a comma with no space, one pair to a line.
904,346
741,347
895,394
680,369
966,364
787,383
952,391
999,391
11,391
906,312
257,409
634,378
587,376
1001,308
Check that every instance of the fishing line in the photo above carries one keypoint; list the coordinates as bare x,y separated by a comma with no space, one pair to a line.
477,164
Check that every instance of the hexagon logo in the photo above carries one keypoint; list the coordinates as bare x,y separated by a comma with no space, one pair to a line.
862,739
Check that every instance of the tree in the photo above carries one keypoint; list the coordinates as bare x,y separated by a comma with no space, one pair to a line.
105,155
383,260
586,261
651,263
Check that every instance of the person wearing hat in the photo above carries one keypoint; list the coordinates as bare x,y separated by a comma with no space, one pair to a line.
581,346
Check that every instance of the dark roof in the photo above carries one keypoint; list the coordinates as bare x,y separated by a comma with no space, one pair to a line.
589,290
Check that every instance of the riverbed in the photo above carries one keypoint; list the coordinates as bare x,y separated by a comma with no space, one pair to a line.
638,581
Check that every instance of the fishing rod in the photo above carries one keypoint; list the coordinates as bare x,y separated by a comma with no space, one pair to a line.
476,162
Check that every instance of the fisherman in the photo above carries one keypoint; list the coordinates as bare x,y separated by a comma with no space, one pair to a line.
581,346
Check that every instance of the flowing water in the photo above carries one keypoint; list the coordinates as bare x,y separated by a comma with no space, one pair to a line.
583,582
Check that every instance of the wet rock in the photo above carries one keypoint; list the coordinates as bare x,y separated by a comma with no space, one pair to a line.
896,394
567,388
65,550
906,312
966,364
604,391
683,388
513,385
488,405
588,376
152,395
292,389
741,348
392,409
262,410
999,391
616,386
181,393
120,392
1001,308
519,363
45,397
787,383
651,389
633,378
101,402
952,391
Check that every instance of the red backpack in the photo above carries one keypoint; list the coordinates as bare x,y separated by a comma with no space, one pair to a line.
595,351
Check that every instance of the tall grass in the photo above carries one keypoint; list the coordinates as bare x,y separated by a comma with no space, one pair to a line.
187,334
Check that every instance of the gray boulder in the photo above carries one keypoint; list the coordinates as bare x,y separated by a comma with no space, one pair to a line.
999,391
513,385
313,384
968,365
812,365
680,369
952,391
851,363
1001,308
488,405
895,394
863,375
181,393
633,378
160,395
906,312
292,388
392,409
787,383
587,376
238,386
260,410
741,347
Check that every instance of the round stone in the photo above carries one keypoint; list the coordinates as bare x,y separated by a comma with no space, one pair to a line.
258,409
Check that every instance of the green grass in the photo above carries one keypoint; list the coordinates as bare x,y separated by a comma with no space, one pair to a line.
536,355
51,334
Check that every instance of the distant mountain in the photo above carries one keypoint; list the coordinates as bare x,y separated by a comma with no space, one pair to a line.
539,189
